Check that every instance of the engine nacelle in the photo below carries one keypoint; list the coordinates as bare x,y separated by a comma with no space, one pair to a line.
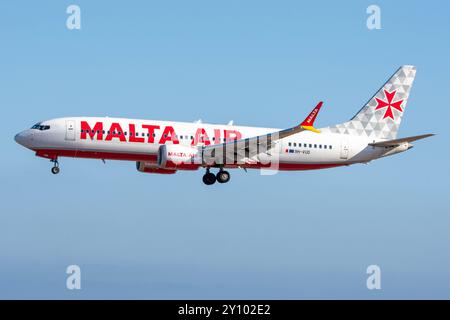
177,157
149,167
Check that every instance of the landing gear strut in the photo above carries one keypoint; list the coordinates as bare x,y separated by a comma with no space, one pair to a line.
55,169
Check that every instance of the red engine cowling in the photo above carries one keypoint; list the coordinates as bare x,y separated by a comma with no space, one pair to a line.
177,157
149,167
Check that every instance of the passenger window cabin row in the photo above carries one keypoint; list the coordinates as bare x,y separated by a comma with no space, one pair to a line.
310,145
187,137
137,134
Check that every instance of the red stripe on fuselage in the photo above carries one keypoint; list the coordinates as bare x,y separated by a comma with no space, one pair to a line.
285,166
54,154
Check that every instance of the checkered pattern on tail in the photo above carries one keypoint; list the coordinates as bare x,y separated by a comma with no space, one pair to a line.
380,118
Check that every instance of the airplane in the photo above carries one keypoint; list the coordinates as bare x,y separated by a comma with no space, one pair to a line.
165,147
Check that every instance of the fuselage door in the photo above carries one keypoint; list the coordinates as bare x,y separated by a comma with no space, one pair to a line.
70,130
344,148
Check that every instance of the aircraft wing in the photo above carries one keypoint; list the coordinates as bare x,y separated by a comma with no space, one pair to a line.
241,151
397,142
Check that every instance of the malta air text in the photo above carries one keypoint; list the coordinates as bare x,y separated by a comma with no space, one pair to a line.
150,133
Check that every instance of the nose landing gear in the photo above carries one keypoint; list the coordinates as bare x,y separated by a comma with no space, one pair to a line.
55,169
210,178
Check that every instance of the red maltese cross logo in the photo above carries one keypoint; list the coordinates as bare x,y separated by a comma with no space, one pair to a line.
389,104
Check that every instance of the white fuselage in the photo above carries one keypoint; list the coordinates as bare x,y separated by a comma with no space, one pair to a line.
139,140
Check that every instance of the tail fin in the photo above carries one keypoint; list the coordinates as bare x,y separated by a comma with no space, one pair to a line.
380,118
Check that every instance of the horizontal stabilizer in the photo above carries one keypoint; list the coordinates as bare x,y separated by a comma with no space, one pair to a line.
396,142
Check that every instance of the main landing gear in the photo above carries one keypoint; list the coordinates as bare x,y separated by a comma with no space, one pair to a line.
55,169
223,176
210,178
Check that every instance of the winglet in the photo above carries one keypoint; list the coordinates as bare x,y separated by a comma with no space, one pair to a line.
308,123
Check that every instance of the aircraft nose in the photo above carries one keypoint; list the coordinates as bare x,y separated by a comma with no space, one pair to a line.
24,138
19,138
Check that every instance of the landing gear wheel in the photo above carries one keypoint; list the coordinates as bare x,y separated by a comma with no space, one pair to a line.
55,170
209,178
223,176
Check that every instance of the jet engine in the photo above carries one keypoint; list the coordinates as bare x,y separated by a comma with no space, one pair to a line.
178,157
151,167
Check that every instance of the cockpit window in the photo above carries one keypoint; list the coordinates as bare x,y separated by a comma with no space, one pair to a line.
39,126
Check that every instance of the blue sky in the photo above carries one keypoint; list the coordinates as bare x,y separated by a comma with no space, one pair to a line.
263,63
